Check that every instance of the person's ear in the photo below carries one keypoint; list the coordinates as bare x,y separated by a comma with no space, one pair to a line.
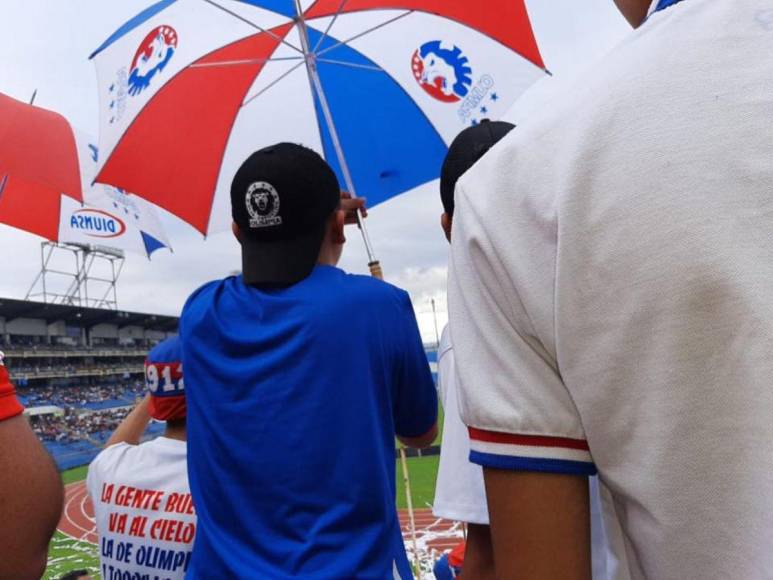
446,221
337,227
236,231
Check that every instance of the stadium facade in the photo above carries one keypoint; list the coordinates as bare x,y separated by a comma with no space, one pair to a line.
77,370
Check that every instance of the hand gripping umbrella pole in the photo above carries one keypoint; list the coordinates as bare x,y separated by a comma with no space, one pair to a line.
373,264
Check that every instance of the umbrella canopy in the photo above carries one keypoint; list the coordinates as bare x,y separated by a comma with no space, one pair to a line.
106,216
109,216
38,163
112,218
189,88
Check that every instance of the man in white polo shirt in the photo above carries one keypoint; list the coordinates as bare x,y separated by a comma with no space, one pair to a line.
611,310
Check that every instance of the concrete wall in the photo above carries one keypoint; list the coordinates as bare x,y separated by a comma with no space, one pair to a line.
27,327
128,332
104,331
57,328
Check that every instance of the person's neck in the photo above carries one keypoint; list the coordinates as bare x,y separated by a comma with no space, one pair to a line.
177,433
328,256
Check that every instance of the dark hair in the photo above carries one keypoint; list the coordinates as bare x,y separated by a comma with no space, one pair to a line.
465,151
176,423
74,575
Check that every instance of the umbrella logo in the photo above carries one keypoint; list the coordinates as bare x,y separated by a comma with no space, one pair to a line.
444,73
262,201
154,53
97,223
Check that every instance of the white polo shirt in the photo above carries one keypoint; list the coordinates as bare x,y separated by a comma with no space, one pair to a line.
144,512
611,291
459,491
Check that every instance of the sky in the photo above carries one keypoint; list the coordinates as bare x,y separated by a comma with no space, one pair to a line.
45,47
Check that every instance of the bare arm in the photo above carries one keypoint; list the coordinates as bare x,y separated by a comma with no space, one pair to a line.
422,440
30,501
540,525
133,426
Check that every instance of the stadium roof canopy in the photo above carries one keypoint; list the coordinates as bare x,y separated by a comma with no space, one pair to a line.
80,316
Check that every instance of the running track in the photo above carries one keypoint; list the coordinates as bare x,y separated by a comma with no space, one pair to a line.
432,534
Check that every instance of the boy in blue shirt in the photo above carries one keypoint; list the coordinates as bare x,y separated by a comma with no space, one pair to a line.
299,376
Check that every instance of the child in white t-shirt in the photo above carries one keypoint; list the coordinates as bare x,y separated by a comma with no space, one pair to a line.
459,491
142,502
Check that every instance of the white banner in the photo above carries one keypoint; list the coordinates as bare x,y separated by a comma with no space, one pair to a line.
108,216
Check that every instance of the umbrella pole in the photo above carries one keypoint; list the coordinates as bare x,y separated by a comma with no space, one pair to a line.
373,264
311,68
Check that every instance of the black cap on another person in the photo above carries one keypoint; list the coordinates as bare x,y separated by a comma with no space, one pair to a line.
465,150
281,199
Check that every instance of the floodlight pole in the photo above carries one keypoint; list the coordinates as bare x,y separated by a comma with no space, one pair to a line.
310,58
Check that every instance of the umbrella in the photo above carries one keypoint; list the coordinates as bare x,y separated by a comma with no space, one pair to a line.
38,163
189,88
109,216
106,216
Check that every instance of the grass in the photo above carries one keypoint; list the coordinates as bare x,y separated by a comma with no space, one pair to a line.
73,475
66,555
422,472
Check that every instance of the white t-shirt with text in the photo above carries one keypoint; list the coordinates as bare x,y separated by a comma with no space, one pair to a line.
143,507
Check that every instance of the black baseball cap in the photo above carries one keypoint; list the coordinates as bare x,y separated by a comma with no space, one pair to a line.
281,198
465,151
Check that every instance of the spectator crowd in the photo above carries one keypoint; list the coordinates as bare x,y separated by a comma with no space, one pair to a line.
74,426
81,395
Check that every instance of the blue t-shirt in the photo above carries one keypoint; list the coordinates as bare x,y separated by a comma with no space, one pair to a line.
294,398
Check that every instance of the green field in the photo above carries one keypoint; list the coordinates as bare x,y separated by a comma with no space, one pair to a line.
73,475
422,472
66,554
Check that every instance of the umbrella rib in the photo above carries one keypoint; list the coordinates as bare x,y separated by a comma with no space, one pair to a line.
255,26
361,34
271,84
330,25
244,61
351,64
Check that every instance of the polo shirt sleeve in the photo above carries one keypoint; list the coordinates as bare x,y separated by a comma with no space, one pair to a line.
9,404
415,401
519,413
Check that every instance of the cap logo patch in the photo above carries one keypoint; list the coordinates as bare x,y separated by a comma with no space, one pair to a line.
262,202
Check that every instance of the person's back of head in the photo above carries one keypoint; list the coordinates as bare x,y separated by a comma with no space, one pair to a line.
164,376
465,150
284,202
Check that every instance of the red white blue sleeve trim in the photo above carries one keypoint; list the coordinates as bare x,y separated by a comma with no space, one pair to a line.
530,453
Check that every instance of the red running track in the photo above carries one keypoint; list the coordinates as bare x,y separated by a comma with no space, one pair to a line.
78,514
78,521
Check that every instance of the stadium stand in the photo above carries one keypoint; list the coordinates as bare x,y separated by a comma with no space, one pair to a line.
77,370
